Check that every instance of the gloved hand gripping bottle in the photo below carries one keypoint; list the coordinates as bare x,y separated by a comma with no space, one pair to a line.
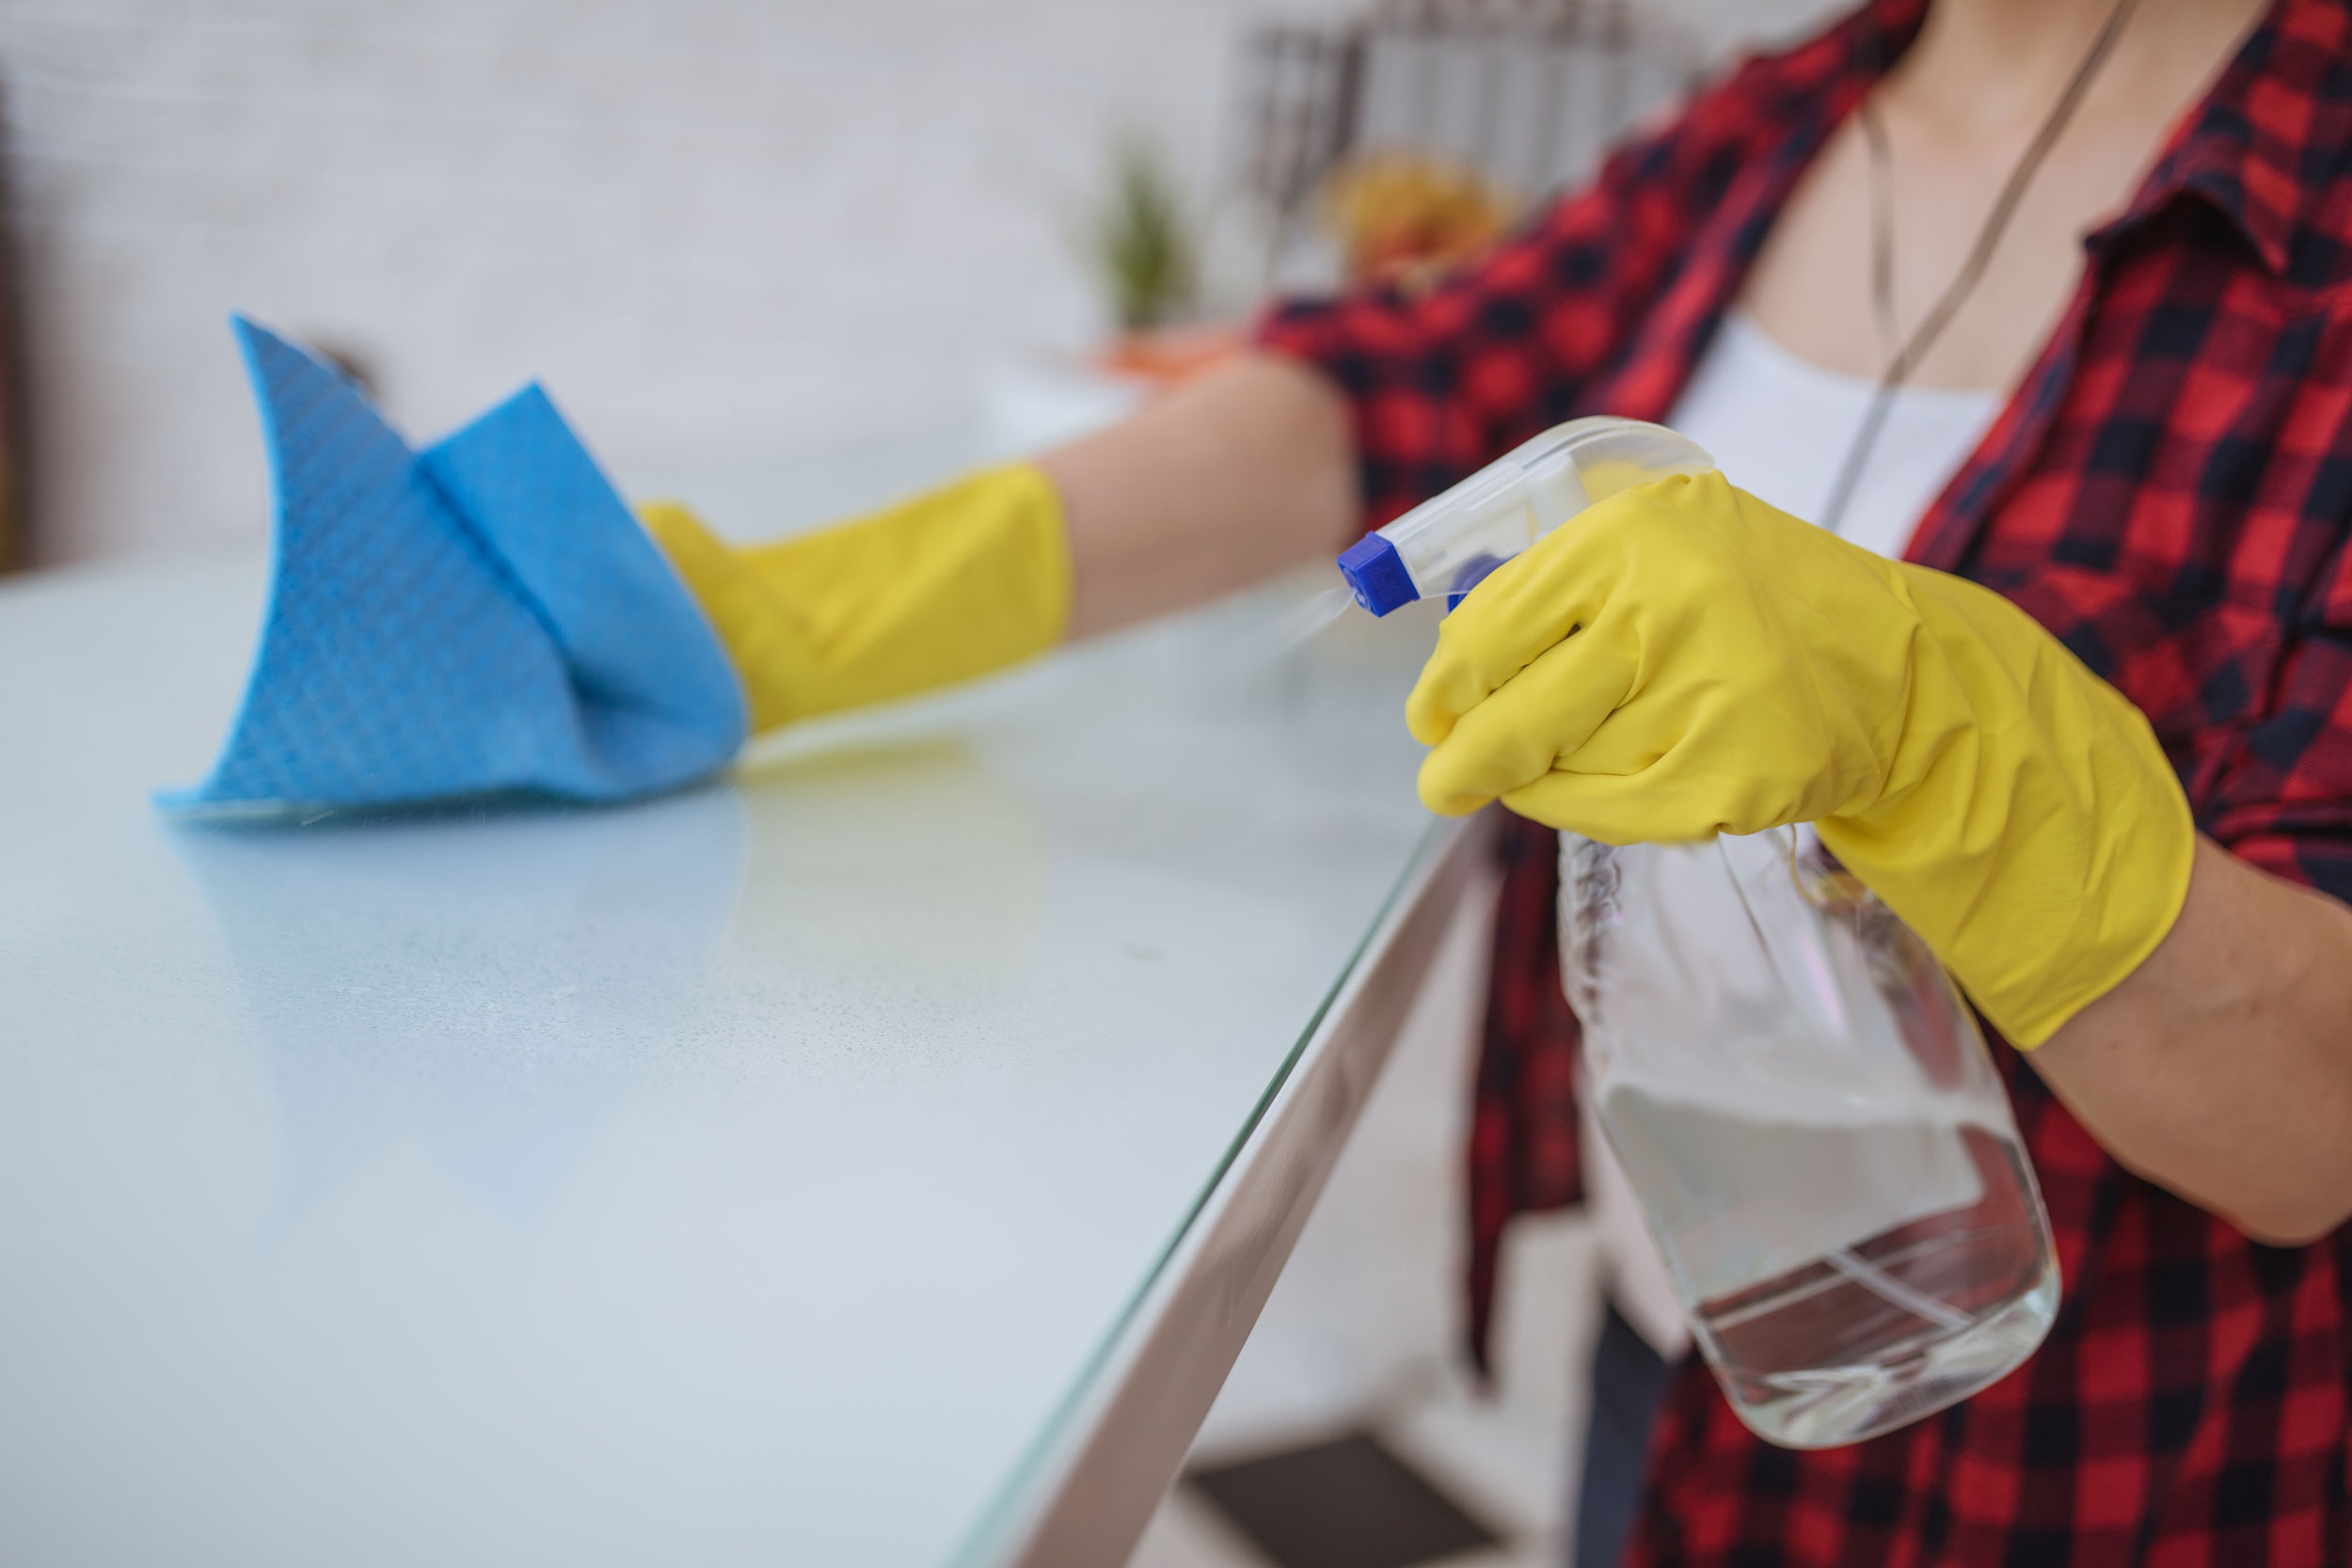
1799,1097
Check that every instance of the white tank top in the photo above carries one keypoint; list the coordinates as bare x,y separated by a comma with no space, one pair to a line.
1778,426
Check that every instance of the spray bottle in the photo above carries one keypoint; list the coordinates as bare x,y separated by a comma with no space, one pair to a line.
1799,1099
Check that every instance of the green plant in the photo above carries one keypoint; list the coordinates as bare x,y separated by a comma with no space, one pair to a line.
1139,239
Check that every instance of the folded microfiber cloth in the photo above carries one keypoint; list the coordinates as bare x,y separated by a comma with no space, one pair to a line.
484,617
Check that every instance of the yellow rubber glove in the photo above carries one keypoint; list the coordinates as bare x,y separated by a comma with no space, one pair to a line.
955,583
1681,660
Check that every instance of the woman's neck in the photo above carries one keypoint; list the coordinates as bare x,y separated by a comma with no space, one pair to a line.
1958,111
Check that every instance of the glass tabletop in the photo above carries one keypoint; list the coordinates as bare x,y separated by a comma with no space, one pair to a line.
748,1176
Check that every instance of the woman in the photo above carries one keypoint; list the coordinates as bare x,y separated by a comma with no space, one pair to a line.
2141,444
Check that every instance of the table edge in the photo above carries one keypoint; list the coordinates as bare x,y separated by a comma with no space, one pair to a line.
1118,1456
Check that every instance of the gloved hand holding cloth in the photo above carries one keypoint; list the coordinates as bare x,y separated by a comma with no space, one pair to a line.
951,584
477,620
1681,660
483,618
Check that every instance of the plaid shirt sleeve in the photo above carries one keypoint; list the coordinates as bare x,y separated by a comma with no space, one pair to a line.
1441,382
2279,790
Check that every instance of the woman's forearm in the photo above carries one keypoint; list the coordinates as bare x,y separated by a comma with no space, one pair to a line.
1242,474
2221,1069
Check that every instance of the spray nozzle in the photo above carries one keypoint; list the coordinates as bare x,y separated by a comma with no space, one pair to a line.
1448,543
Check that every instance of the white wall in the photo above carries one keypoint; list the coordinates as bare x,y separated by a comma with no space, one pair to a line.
712,226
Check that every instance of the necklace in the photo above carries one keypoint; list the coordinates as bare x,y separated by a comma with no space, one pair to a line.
1905,355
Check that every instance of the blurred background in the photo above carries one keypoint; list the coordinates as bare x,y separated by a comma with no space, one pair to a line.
722,232
789,259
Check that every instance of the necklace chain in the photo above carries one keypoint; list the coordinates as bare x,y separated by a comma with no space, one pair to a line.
1905,355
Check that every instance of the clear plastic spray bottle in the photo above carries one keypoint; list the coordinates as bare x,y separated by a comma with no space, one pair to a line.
1799,1097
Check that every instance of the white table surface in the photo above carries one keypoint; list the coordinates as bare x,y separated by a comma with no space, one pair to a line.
750,1177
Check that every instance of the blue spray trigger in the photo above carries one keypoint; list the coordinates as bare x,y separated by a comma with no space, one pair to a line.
1474,572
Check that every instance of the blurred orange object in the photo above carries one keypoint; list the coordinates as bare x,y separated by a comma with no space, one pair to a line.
1170,356
1405,217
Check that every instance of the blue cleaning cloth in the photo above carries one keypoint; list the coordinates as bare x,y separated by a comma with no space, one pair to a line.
483,617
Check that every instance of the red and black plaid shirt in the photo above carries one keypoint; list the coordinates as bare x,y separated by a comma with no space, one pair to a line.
2170,493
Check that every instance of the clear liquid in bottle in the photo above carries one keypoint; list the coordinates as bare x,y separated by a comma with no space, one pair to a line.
1823,1151
1845,1278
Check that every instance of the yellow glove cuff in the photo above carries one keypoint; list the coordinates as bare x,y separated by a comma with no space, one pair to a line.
2031,829
952,584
